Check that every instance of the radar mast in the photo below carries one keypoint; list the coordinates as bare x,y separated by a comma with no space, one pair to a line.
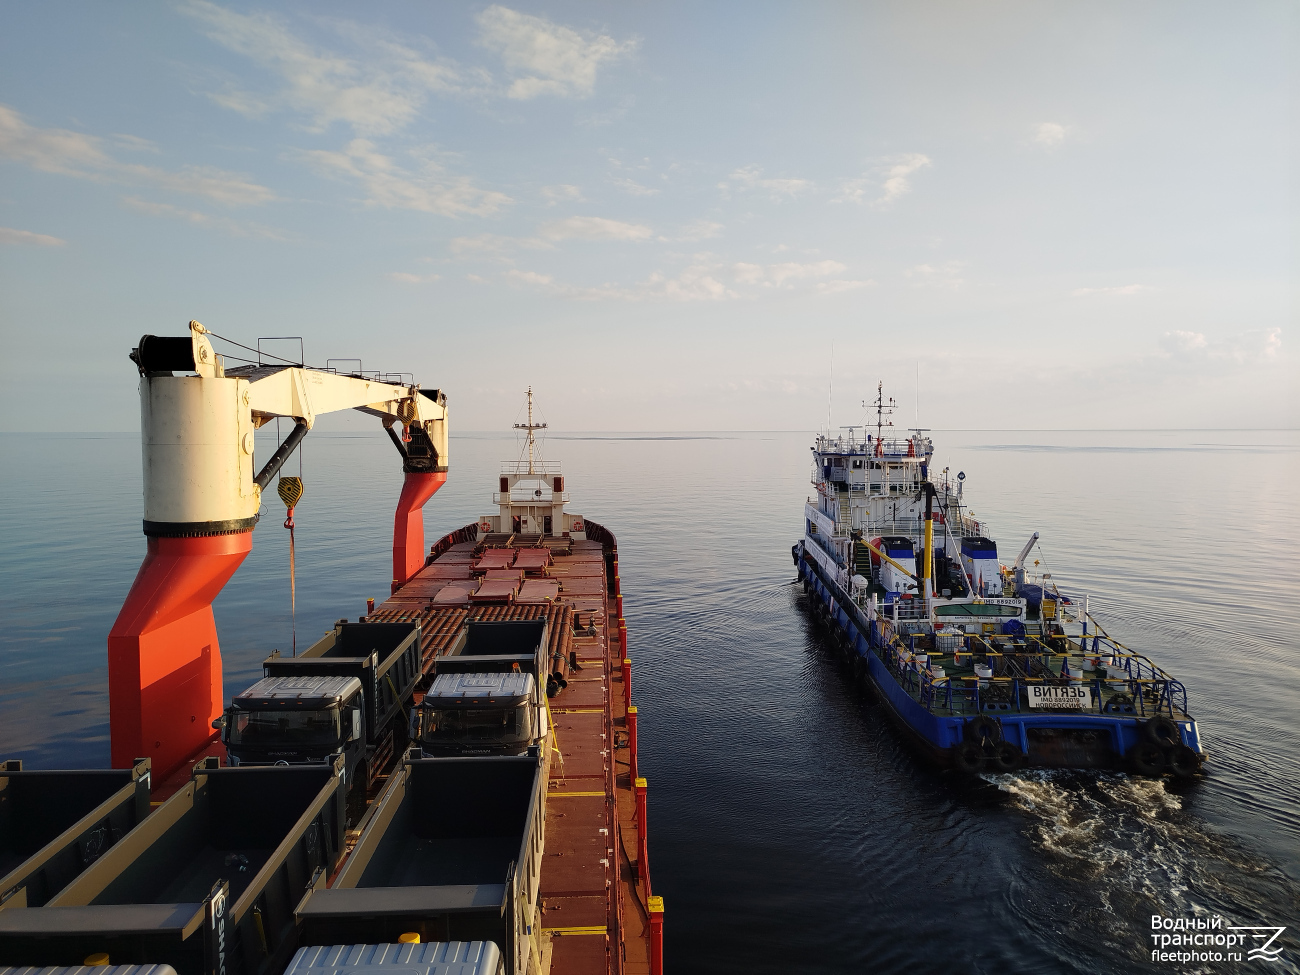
530,426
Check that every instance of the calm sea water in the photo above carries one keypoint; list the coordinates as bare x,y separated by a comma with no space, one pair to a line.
791,829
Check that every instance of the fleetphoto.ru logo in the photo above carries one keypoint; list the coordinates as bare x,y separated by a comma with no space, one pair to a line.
1187,939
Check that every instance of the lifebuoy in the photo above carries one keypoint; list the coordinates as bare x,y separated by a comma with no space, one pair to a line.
577,526
485,527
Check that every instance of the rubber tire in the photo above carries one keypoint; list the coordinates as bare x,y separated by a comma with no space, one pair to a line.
1183,761
1147,758
1007,757
967,757
1162,731
982,727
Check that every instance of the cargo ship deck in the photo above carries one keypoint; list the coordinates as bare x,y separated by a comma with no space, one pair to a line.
507,824
595,893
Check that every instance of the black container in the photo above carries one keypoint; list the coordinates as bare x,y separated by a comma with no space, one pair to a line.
385,657
53,825
452,852
206,884
484,648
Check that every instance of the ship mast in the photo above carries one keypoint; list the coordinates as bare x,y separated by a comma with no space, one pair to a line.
883,409
530,426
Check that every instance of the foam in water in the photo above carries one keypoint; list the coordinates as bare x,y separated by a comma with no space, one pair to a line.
1131,841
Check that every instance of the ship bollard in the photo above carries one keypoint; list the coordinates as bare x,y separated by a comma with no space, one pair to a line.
631,739
618,600
370,605
627,682
622,635
655,908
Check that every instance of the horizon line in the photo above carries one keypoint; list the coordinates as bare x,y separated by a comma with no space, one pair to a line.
101,433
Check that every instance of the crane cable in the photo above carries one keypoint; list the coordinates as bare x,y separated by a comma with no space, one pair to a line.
290,491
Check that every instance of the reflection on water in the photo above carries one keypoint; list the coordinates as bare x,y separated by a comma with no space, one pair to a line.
791,829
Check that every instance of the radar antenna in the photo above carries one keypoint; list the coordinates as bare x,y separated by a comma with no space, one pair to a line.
530,426
883,407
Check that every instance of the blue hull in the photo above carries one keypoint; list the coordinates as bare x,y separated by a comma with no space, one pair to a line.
1114,736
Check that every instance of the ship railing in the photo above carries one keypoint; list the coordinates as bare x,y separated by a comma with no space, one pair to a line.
530,497
1131,694
540,467
1135,665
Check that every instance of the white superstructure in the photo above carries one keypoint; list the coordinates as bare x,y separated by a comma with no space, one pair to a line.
865,525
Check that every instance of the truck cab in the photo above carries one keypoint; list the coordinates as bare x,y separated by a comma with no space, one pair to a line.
478,714
296,720
346,694
487,697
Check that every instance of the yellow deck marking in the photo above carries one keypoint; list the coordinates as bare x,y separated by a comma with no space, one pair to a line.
593,929
568,794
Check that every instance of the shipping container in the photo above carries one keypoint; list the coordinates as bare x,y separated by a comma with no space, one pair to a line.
452,852
207,883
53,825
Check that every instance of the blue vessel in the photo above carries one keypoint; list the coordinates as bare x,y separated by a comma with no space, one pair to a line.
985,667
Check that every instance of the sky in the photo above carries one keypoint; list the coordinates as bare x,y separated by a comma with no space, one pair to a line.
664,216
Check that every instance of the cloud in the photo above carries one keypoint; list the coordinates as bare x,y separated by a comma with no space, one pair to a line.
841,286
545,58
52,150
751,178
1195,350
376,95
531,277
610,116
549,234
593,228
633,187
83,156
563,193
697,230
784,275
430,189
1127,289
233,227
405,277
884,183
8,235
490,245
946,275
705,279
695,283
1049,135
133,143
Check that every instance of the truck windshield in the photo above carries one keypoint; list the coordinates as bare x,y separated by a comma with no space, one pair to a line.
460,724
285,728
